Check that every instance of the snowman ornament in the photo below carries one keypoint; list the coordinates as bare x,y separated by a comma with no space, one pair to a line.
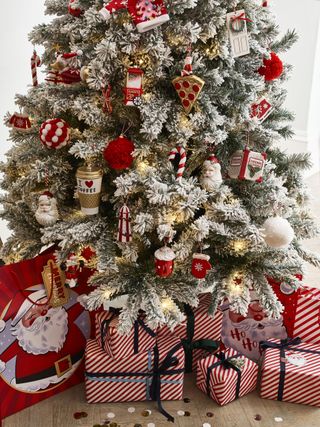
211,177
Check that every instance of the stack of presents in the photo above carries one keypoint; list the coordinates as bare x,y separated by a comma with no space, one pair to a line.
225,351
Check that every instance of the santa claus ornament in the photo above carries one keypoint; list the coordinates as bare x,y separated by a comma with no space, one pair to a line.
247,164
164,261
133,89
272,67
188,86
66,69
118,153
277,232
200,265
47,212
54,133
124,226
19,122
211,177
146,14
74,8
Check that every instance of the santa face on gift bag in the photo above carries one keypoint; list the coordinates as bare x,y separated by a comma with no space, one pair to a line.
200,265
40,345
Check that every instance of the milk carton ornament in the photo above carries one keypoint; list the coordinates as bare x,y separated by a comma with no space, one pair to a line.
133,89
247,164
164,260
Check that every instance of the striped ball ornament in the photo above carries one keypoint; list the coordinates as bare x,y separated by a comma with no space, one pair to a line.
54,133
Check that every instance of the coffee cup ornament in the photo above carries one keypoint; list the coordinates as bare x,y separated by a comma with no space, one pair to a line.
89,181
164,261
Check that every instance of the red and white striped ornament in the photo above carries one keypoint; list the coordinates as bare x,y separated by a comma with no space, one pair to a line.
307,315
35,62
183,159
124,226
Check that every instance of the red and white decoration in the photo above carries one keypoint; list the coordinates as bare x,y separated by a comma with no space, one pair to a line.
181,152
211,177
299,370
146,14
133,89
200,265
73,270
116,345
74,8
306,323
124,226
223,381
247,164
164,261
47,211
238,33
118,153
55,133
35,63
20,122
129,387
188,86
272,67
66,69
261,110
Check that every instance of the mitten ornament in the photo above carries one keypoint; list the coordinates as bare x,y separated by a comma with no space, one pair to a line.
247,164
146,14
200,265
272,68
164,261
118,153
73,269
74,8
133,89
124,226
47,212
54,133
211,177
188,86
66,69
19,122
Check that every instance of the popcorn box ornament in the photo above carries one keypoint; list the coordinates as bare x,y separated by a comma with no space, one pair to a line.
200,332
261,110
291,372
247,164
20,122
226,376
133,89
89,181
164,261
155,374
141,337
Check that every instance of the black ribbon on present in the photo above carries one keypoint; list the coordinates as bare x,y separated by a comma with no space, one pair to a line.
189,345
166,368
286,344
227,364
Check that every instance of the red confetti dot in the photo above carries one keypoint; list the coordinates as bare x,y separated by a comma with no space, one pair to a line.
186,103
186,84
182,94
177,86
191,96
258,417
196,88
77,415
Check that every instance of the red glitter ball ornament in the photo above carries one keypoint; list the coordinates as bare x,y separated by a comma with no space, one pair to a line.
272,68
118,153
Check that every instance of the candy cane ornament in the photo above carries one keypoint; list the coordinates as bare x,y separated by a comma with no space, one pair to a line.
182,162
35,62
124,226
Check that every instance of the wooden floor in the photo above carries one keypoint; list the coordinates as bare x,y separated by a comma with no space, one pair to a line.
58,411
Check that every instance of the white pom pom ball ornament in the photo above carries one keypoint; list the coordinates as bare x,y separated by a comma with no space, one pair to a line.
277,232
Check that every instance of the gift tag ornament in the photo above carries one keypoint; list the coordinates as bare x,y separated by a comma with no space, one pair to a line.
164,261
20,122
133,89
261,110
188,86
238,33
200,265
47,212
211,177
124,226
89,180
54,133
247,164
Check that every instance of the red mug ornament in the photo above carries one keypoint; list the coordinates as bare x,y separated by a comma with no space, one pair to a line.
164,261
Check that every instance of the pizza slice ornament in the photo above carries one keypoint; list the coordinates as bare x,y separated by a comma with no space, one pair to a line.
188,86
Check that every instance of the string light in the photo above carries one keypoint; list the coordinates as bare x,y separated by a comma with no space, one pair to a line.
235,283
239,246
107,293
168,305
142,167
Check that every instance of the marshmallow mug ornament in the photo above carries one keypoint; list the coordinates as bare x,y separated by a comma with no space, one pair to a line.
146,14
277,232
247,164
74,8
54,133
20,122
66,69
211,177
200,265
188,86
164,261
47,211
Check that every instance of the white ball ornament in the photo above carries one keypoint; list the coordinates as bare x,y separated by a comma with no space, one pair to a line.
277,232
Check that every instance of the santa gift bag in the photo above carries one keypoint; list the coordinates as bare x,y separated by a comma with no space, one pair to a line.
43,333
244,333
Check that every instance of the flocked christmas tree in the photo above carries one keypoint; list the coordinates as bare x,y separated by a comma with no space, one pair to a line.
164,116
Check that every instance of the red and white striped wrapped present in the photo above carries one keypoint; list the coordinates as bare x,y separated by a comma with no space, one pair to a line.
226,376
291,372
200,331
151,375
140,338
307,315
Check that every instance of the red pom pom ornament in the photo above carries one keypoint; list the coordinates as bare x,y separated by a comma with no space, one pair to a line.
55,133
272,68
118,153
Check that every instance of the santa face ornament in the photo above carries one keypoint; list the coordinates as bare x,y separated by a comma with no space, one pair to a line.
47,212
200,265
164,261
211,177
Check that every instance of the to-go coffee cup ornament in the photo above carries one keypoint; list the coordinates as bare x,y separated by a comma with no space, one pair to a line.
89,180
164,261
